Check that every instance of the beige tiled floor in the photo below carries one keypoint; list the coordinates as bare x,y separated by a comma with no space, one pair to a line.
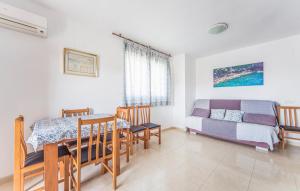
196,163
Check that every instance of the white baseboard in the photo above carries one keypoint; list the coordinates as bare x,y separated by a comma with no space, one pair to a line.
178,128
6,179
294,143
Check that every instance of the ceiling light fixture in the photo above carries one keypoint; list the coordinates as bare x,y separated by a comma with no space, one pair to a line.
218,28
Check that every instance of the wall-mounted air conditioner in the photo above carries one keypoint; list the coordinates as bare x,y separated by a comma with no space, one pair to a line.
23,21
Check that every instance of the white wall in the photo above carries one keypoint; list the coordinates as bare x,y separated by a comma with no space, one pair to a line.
23,82
190,82
184,88
281,72
32,80
179,90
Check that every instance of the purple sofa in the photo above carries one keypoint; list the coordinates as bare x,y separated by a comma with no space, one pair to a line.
258,127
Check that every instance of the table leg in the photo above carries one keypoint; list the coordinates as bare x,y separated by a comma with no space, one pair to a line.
116,152
116,156
51,167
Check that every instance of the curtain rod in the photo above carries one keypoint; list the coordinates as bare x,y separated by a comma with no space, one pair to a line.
120,35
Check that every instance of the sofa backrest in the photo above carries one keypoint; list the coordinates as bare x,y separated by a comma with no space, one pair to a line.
247,106
254,111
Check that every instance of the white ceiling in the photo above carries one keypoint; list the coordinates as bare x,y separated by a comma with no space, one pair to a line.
180,26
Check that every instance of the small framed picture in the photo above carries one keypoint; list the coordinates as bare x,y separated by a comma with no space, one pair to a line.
80,63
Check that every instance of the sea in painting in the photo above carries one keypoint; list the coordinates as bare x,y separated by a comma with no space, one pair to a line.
243,75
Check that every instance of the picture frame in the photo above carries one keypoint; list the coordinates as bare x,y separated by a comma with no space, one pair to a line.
80,63
241,75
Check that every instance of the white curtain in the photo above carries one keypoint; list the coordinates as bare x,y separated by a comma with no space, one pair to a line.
147,76
137,82
160,79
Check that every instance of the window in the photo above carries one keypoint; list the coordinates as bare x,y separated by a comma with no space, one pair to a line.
147,76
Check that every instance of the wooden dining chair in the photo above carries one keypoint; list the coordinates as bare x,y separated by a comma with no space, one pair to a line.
288,117
136,132
144,113
75,112
123,113
97,151
27,165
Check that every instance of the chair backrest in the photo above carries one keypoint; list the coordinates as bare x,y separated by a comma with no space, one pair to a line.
123,113
132,114
92,124
143,114
75,112
288,116
20,149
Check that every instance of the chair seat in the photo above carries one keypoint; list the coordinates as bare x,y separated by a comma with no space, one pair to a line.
289,128
86,139
109,137
150,125
84,153
136,129
37,157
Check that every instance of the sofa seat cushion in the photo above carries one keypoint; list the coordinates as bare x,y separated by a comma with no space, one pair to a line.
84,153
219,128
261,119
199,112
37,157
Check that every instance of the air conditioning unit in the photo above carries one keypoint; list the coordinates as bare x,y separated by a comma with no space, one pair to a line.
22,21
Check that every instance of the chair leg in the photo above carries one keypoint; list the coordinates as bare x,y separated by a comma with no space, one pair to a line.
283,138
146,138
61,169
22,180
159,135
18,181
78,172
103,169
66,173
71,174
114,181
131,143
127,147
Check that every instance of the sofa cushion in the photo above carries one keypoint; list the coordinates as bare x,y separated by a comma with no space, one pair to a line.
199,112
260,119
225,104
233,115
217,114
259,107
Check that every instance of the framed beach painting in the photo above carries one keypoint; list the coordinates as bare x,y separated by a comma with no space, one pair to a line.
80,63
242,75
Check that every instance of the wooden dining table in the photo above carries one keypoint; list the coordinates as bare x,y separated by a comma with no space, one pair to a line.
49,133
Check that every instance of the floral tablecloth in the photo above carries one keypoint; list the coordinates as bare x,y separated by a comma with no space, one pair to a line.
56,129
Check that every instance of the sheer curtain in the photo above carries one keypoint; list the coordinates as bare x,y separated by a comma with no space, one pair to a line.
147,76
160,78
137,71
